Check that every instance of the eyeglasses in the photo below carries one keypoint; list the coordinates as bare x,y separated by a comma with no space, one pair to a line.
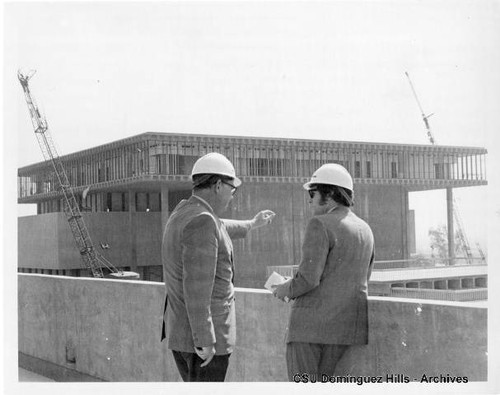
233,188
311,193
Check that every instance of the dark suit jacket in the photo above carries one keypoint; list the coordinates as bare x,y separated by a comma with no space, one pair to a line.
198,267
330,287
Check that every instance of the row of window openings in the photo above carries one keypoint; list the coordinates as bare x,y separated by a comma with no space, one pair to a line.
62,272
266,167
103,174
275,167
144,202
257,166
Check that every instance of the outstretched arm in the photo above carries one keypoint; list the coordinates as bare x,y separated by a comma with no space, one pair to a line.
238,229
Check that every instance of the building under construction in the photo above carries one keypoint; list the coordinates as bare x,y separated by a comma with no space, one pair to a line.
127,188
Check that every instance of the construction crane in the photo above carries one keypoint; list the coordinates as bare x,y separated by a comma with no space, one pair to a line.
425,118
91,258
481,252
462,236
464,242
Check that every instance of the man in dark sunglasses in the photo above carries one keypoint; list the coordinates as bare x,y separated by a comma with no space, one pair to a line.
330,310
312,192
198,265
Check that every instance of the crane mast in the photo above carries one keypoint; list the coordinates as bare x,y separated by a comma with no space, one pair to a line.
71,208
481,252
462,236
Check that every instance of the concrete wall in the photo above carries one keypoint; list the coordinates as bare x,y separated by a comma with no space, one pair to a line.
37,241
109,330
102,328
387,216
46,241
135,237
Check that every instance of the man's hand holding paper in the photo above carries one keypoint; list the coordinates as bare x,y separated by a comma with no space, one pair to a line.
281,290
278,285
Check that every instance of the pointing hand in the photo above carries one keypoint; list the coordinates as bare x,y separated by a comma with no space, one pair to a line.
262,218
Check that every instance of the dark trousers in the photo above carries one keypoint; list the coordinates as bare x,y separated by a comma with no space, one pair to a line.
189,366
313,358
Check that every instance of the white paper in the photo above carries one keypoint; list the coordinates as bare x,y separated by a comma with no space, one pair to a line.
276,279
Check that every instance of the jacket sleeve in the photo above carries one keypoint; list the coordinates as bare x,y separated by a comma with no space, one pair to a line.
237,229
199,255
314,254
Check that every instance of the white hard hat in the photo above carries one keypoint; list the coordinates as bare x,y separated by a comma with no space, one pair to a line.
215,163
331,174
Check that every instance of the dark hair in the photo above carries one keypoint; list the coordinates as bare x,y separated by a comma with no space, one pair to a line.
341,195
204,181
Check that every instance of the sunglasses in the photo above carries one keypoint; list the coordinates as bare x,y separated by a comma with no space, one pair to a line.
311,193
233,188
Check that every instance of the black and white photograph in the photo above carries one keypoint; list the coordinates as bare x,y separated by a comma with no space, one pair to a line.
269,195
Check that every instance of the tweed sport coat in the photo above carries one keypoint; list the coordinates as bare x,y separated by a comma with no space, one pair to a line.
198,269
330,288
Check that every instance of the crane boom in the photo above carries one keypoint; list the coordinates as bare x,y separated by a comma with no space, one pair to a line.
425,118
71,209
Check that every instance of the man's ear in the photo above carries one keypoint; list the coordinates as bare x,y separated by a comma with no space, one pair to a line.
217,186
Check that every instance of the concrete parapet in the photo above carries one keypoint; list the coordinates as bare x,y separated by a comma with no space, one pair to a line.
110,330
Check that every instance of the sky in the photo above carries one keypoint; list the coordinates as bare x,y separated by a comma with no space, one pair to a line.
317,70
330,70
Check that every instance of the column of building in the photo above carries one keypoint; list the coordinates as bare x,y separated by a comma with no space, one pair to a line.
164,210
133,231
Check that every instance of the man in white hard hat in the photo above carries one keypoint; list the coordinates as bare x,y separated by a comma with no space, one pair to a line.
329,291
198,267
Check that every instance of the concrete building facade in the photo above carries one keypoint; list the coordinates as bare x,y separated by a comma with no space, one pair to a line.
128,188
